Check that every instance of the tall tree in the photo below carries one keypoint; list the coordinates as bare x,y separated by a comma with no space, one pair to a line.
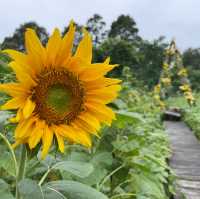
191,60
151,56
96,26
16,41
120,51
124,28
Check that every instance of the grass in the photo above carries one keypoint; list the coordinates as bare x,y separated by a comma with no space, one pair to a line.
191,114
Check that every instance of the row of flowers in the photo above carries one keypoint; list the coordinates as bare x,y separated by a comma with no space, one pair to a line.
172,61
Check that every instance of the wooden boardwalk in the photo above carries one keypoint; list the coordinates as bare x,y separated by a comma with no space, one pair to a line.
185,159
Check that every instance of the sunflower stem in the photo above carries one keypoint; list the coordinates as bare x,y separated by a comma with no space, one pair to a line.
123,194
108,177
12,152
21,171
44,177
14,158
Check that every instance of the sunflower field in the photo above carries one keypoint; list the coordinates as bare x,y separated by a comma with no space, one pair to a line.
78,115
127,161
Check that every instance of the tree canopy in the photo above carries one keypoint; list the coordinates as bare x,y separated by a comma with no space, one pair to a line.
16,41
96,26
125,28
122,42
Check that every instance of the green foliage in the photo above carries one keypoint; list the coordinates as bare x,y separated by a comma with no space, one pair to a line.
194,75
16,41
151,56
30,189
192,118
143,149
5,190
5,163
78,168
96,26
129,160
121,42
124,28
191,114
120,52
144,58
5,71
74,190
191,60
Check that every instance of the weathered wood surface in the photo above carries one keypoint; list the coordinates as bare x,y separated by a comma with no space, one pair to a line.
185,159
172,115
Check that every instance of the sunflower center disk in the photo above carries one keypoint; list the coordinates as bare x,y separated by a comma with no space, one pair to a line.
59,96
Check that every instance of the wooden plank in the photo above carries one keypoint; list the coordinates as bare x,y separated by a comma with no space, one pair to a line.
185,159
172,115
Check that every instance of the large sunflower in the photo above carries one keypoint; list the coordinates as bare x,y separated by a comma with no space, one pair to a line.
57,94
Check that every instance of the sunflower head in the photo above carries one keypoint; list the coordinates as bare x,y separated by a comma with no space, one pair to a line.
166,81
183,72
59,95
185,88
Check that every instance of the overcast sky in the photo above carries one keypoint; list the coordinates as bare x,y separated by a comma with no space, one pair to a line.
179,19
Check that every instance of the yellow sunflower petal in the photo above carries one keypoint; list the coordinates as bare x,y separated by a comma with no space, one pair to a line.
24,128
101,98
66,46
107,61
112,88
21,74
47,139
84,49
75,65
21,59
84,137
36,51
14,103
67,132
18,142
60,142
95,71
37,134
101,109
100,83
74,133
53,48
28,108
106,94
18,117
101,117
86,127
13,89
89,119
56,62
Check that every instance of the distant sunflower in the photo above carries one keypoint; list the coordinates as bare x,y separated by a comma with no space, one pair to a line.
57,94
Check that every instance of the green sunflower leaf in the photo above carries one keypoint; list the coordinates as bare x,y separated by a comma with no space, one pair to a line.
124,117
30,189
4,190
72,190
80,169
